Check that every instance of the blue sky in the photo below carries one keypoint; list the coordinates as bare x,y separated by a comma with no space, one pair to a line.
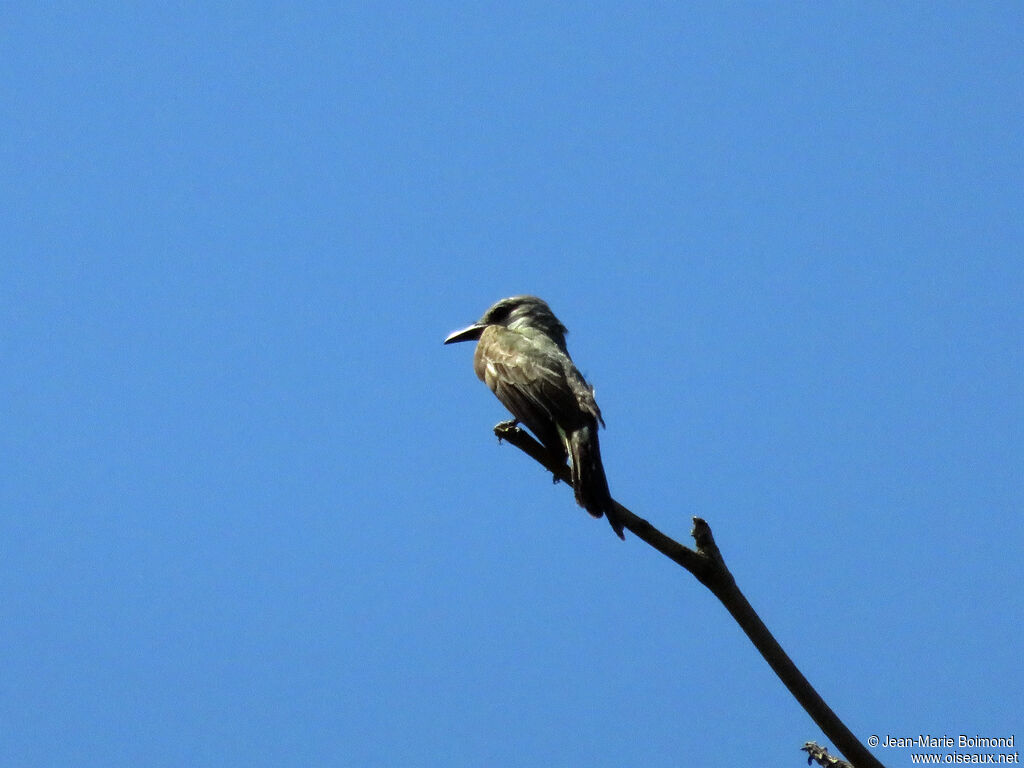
253,513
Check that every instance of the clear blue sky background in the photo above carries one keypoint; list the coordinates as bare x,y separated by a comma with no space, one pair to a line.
252,510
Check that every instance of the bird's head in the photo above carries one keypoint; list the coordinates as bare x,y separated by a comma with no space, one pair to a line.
516,312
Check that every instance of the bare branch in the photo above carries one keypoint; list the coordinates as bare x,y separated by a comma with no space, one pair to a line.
708,566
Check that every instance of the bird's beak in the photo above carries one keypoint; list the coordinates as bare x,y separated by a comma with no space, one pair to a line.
466,334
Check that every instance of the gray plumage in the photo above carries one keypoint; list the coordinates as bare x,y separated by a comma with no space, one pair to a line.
521,355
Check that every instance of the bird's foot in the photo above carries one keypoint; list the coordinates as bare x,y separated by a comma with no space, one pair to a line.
505,427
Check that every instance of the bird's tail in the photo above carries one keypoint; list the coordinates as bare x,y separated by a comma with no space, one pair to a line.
588,478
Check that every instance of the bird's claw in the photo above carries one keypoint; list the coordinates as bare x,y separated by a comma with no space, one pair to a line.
504,427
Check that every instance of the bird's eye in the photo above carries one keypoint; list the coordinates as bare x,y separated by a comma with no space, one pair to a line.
499,313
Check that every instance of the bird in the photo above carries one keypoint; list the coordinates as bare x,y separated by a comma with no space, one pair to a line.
522,357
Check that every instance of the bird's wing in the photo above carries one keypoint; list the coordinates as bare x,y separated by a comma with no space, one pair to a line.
527,373
584,392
